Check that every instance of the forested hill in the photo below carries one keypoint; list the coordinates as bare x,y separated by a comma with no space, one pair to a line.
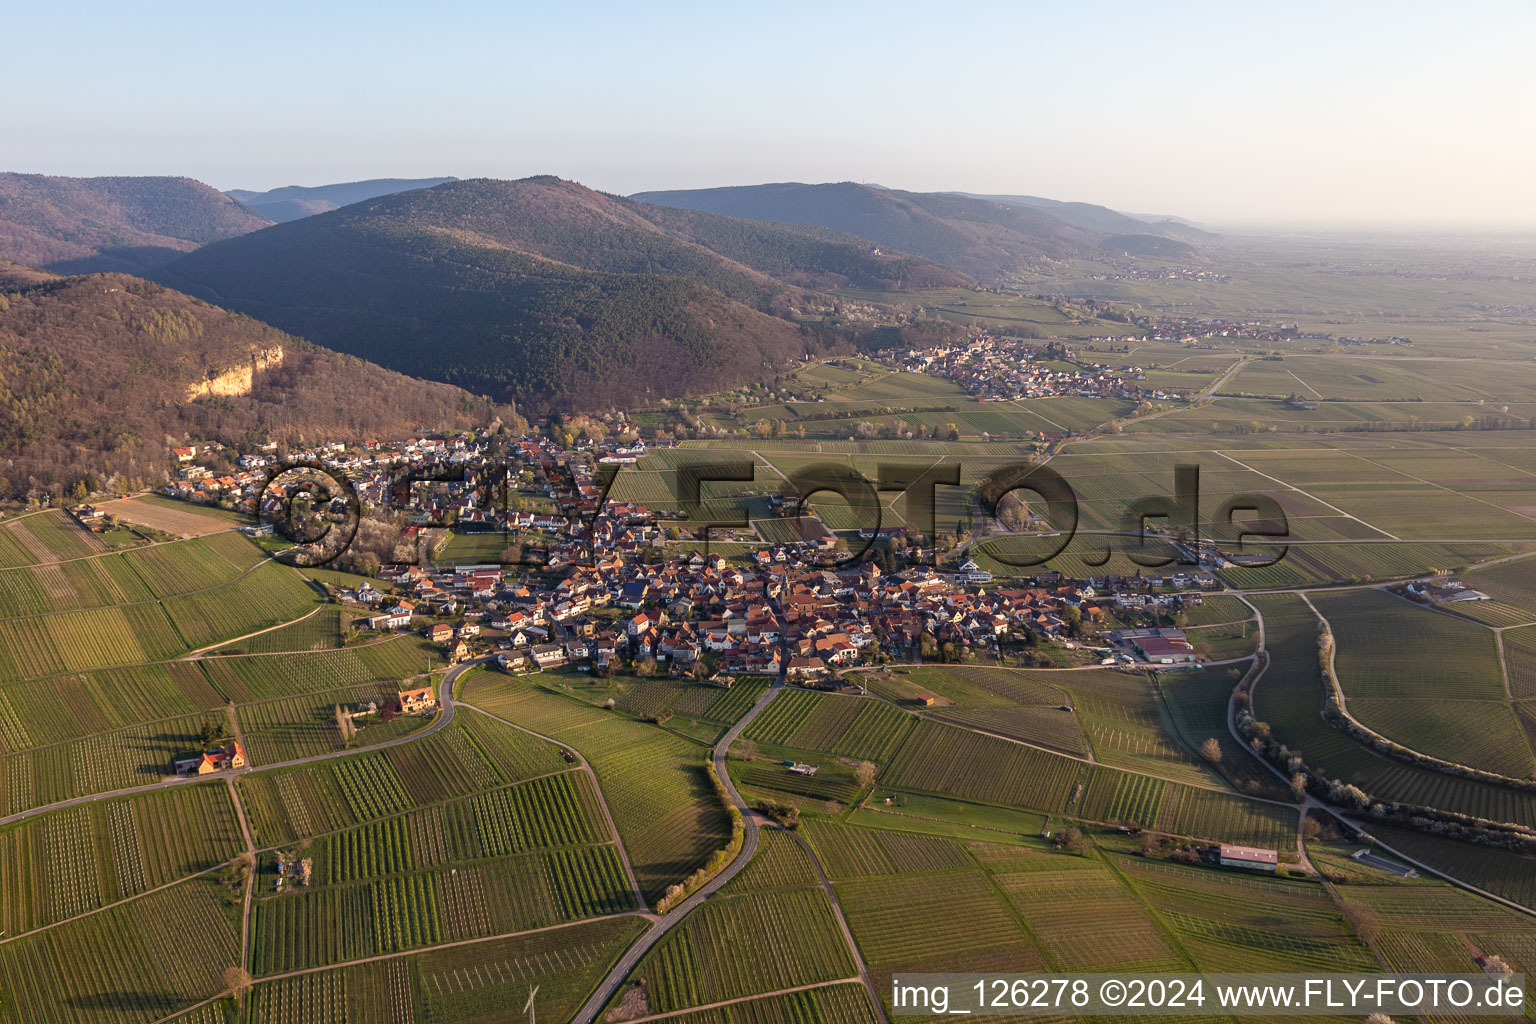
119,369
294,201
540,290
804,254
82,225
986,239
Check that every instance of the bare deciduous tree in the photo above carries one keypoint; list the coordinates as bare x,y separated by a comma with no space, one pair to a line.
864,774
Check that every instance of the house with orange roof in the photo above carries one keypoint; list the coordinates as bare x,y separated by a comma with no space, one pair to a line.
420,701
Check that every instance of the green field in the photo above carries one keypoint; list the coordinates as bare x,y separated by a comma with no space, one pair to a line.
794,938
653,780
1289,697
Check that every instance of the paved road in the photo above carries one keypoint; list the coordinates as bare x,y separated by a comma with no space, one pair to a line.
1312,805
632,956
602,801
444,716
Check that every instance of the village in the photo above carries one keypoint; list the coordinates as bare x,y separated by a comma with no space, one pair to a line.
998,369
605,587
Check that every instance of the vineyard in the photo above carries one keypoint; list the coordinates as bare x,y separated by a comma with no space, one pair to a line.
780,863
246,679
832,782
283,730
847,851
962,923
654,782
413,910
322,631
472,754
1389,647
1126,721
60,708
1230,922
118,970
1197,709
45,645
1498,871
477,983
795,941
1064,900
1289,697
943,759
45,537
558,810
865,729
137,756
1520,657
1482,733
145,630
829,1004
1136,799
268,596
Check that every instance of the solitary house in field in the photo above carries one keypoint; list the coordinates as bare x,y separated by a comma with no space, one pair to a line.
420,701
218,759
1251,857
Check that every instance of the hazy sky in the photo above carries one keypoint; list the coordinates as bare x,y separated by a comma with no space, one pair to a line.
1343,112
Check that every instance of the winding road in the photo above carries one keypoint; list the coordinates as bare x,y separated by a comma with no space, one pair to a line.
752,829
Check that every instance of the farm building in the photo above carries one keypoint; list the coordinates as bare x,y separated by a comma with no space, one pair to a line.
420,701
1163,651
217,759
1251,857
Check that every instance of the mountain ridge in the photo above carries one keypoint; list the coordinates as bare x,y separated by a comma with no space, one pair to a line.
119,368
130,224
290,202
986,239
543,290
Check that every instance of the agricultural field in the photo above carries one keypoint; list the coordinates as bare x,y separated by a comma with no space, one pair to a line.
66,863
118,970
414,910
795,941
470,755
167,515
1289,697
469,983
654,781
869,730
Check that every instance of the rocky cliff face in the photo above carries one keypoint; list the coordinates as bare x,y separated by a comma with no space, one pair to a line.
237,380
